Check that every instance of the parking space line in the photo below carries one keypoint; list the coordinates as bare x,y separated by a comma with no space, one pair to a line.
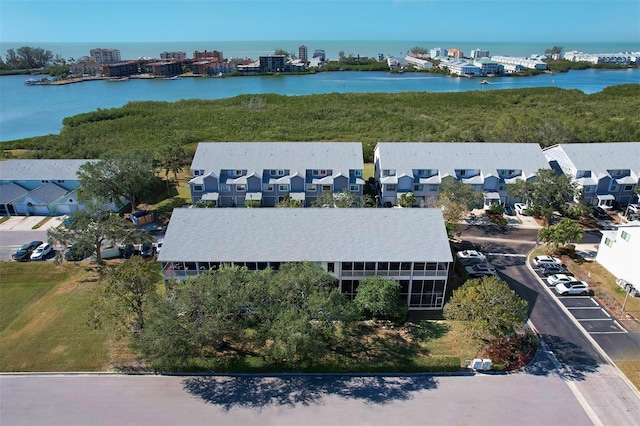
605,312
595,302
583,307
609,332
594,319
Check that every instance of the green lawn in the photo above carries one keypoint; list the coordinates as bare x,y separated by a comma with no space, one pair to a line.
44,310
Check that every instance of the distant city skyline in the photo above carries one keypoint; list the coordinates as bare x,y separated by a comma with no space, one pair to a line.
224,20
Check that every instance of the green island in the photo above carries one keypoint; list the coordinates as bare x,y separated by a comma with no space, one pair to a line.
540,115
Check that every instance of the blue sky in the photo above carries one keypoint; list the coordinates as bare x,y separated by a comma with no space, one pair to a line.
225,20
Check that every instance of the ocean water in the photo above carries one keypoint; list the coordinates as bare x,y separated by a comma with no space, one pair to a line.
27,111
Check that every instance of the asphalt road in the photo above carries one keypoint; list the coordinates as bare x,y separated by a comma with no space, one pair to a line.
523,399
587,372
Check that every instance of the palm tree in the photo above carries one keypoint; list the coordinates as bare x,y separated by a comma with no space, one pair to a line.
171,157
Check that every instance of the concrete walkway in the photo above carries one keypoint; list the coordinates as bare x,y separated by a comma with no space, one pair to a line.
26,223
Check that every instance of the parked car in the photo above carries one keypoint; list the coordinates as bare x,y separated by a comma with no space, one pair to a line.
555,279
24,253
572,288
470,254
41,252
549,269
158,245
520,208
468,261
147,250
600,213
480,270
539,260
634,208
75,253
508,210
461,245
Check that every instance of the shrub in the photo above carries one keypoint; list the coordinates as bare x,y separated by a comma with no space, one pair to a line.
511,353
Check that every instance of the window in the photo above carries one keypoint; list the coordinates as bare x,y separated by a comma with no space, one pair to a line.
617,173
60,181
44,181
418,188
277,172
434,187
283,187
625,236
628,188
463,172
197,188
354,188
608,242
330,267
502,187
326,188
198,172
391,187
241,187
358,173
312,188
588,189
225,188
614,188
267,187
388,172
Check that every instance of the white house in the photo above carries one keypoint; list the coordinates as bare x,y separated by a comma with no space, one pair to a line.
618,252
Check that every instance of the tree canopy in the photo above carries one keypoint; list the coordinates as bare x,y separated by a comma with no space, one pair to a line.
561,234
549,192
119,178
27,57
379,298
488,307
89,228
285,315
456,199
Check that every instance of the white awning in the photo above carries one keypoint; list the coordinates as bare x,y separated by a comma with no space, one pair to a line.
210,196
491,196
253,196
300,196
605,197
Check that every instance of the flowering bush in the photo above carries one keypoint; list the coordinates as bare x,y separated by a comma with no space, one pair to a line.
512,353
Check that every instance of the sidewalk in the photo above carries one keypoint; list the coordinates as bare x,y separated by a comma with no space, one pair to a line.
26,223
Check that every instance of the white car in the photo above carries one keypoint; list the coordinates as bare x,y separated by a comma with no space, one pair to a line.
634,208
559,278
470,254
41,252
480,270
520,209
539,260
573,287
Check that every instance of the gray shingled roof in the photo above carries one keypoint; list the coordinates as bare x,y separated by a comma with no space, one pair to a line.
57,169
293,156
48,193
600,157
11,191
448,157
314,234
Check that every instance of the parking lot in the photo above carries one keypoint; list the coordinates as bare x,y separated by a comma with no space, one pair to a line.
587,311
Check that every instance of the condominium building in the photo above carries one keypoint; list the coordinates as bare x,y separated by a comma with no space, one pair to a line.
420,167
408,245
105,56
230,173
605,172
303,53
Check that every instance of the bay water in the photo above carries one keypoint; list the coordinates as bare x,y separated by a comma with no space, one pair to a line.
27,111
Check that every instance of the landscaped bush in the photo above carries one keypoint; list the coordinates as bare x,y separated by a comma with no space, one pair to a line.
512,353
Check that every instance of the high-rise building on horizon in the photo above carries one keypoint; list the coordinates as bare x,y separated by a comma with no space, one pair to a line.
303,54
105,56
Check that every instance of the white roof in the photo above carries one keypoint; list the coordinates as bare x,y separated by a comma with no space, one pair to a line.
294,156
447,157
58,169
601,157
299,234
